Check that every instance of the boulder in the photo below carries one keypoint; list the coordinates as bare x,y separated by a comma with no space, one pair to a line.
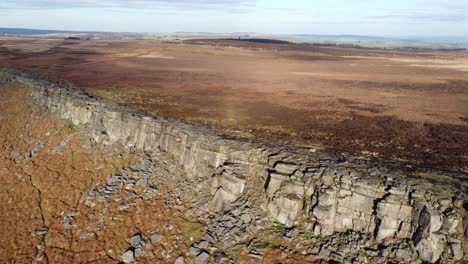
135,240
202,258
128,257
179,260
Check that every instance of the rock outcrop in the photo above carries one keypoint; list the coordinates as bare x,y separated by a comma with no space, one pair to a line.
340,198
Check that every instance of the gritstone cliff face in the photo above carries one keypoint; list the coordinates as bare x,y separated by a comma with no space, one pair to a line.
353,208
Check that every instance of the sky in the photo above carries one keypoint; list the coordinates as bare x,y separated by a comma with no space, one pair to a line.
327,17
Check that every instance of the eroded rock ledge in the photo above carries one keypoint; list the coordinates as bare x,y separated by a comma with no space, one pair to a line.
339,200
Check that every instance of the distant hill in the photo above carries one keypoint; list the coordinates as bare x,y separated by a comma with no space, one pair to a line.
261,40
67,34
448,43
442,43
27,31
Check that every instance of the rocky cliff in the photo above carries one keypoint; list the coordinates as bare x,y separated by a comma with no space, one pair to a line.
345,208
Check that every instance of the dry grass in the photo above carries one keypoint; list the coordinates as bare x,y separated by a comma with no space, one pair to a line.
397,103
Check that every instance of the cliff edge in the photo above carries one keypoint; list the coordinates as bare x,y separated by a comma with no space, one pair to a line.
252,195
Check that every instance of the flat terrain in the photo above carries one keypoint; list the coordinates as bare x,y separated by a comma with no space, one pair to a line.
403,104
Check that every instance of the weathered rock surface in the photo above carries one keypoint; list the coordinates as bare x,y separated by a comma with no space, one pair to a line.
228,185
355,208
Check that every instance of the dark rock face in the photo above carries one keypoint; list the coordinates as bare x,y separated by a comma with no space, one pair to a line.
348,202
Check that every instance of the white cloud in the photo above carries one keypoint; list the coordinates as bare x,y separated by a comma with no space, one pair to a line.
192,4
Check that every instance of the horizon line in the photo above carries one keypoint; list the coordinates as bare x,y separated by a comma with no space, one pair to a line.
238,32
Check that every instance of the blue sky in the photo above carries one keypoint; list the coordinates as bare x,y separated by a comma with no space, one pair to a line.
331,17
